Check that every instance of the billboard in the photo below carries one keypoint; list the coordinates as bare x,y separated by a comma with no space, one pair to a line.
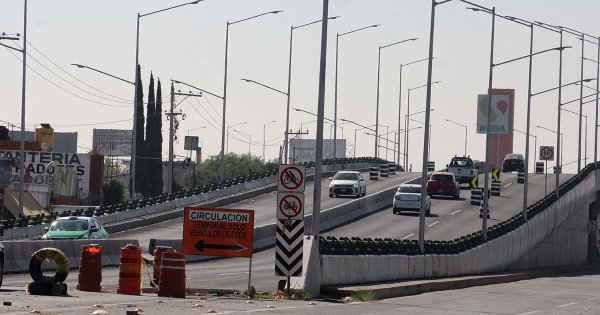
39,171
302,150
112,142
499,114
45,135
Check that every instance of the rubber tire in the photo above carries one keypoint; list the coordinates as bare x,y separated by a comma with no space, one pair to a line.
330,195
35,265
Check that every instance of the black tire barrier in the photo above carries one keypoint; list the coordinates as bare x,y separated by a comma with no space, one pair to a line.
521,178
374,173
35,265
431,166
384,170
496,187
42,288
392,168
539,167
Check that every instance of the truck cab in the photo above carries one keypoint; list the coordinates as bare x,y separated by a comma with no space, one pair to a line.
463,169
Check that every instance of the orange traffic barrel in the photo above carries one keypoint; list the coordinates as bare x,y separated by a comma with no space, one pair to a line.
90,268
158,251
130,271
172,275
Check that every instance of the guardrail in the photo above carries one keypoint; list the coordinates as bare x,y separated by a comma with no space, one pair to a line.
33,224
366,246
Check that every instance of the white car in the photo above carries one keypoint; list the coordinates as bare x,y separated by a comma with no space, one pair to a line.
408,197
347,183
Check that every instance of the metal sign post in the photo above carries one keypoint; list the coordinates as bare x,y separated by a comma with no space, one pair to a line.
546,154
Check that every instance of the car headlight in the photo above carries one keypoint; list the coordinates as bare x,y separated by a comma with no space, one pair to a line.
355,184
331,185
45,237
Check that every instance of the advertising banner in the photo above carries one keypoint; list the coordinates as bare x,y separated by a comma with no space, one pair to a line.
499,114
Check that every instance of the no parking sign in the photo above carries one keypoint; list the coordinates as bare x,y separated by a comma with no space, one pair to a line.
290,206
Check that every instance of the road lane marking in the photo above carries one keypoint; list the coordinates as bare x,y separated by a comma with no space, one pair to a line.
532,312
434,223
594,298
407,236
455,212
568,304
231,273
507,185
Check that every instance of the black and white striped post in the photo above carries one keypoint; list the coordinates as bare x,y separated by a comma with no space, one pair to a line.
384,169
539,168
374,172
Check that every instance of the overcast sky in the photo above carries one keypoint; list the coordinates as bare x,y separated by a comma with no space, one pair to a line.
188,44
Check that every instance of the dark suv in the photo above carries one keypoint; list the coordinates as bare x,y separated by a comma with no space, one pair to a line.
513,162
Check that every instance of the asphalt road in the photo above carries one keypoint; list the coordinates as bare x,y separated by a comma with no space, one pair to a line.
264,207
565,294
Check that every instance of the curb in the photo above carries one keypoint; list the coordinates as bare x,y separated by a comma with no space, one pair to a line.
387,290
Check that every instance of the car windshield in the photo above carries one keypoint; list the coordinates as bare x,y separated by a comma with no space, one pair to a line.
69,225
410,189
442,178
346,176
461,163
514,157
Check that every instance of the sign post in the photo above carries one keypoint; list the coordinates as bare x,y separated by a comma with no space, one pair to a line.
290,221
219,232
546,154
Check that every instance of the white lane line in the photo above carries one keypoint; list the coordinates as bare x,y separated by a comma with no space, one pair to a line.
594,298
455,212
568,304
434,223
532,312
407,236
507,185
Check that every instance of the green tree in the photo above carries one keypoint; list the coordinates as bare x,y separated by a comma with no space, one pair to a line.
112,167
113,191
158,140
148,188
140,165
236,165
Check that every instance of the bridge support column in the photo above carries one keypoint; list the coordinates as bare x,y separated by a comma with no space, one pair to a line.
312,275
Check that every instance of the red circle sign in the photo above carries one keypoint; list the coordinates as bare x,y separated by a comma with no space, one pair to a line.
291,178
290,206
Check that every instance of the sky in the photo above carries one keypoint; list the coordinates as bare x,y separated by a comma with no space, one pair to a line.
188,44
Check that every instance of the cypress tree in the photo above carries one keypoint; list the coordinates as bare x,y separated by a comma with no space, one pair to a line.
148,184
157,151
139,141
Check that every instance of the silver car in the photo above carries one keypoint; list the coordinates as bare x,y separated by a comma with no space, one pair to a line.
408,197
349,183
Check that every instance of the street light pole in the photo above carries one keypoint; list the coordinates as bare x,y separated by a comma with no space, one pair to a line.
337,40
264,137
378,79
132,171
222,166
454,122
400,104
228,127
407,123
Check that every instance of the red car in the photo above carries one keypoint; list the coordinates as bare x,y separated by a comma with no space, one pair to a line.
444,184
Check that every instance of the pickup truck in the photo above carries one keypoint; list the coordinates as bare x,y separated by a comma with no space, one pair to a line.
463,169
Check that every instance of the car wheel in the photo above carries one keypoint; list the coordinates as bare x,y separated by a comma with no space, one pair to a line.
1,270
331,195
364,193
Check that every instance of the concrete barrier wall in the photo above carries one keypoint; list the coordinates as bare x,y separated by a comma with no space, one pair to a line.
17,254
555,237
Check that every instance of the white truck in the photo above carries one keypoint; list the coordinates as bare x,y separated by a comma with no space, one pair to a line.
463,169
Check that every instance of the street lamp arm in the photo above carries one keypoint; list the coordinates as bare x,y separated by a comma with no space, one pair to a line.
547,26
360,29
314,22
552,89
264,85
197,88
252,17
307,112
108,74
454,122
396,43
577,99
355,123
173,7
530,55
410,63
576,32
477,6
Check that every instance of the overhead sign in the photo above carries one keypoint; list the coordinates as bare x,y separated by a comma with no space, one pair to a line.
218,232
547,152
291,178
112,142
496,174
475,182
290,206
190,143
498,116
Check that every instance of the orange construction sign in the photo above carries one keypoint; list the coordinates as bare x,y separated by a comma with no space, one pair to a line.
218,232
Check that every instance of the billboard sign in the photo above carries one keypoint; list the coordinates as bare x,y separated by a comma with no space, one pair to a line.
499,114
112,142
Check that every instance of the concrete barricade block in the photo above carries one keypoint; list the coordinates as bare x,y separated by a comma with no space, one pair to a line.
36,230
351,269
398,267
11,253
416,267
329,263
449,265
362,265
383,268
457,268
18,233
468,263
428,266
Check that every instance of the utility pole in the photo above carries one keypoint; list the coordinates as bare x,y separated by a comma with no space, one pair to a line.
172,117
295,136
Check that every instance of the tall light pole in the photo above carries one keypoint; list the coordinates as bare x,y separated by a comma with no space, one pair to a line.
456,123
400,103
222,167
378,79
264,137
586,127
407,123
337,41
135,98
22,134
228,127
534,143
289,82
